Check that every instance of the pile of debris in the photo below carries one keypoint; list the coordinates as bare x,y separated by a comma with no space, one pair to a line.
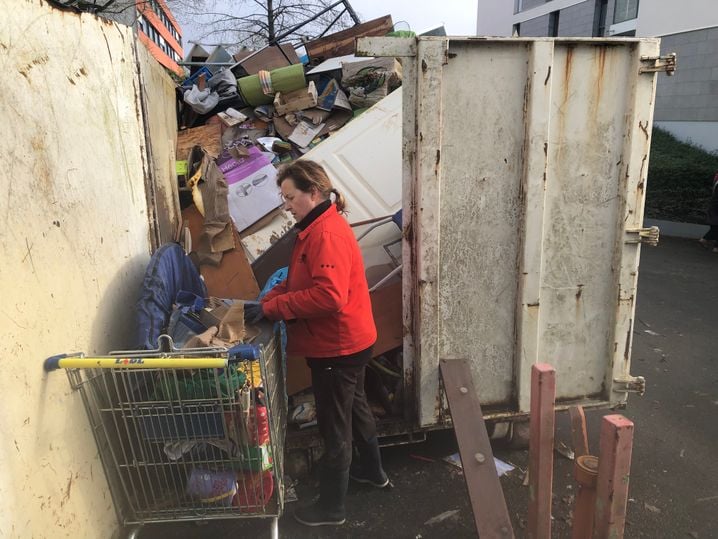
238,123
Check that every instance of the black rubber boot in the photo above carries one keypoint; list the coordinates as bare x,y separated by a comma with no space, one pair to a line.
369,469
329,510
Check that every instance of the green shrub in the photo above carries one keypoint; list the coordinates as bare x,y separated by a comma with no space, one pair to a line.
680,177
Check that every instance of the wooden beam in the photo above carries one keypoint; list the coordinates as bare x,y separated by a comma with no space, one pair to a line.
482,481
614,466
543,396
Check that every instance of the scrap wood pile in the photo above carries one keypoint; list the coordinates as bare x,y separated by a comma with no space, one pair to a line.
238,124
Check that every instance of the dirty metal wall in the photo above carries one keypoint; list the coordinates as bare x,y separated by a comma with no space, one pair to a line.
74,244
529,188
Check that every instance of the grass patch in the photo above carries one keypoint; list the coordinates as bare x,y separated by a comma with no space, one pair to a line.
680,177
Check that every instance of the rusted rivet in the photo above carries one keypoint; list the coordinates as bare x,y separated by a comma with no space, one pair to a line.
463,390
480,458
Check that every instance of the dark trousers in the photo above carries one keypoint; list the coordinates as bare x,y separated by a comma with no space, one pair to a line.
343,412
712,234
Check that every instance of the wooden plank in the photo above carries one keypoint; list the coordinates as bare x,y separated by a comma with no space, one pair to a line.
342,43
208,136
233,278
269,58
614,467
543,395
482,481
579,436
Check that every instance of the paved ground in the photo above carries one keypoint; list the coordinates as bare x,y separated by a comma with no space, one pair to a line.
674,479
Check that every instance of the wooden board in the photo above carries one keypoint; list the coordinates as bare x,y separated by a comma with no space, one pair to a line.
233,278
269,58
487,497
208,136
342,43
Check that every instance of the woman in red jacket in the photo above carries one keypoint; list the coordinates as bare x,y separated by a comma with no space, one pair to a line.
325,304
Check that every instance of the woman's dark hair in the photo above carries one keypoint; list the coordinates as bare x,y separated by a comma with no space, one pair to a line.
308,176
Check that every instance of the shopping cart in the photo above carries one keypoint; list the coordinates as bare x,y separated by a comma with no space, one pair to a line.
187,435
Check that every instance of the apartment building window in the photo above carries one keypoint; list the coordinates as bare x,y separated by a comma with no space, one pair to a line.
518,6
626,10
599,18
553,24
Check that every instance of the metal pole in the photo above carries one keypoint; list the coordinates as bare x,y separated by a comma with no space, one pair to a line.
543,397
352,13
614,468
289,32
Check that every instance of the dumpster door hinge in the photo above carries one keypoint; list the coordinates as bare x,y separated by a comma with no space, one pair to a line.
649,236
656,64
630,384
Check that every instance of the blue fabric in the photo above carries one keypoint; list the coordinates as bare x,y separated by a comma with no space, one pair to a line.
276,278
169,272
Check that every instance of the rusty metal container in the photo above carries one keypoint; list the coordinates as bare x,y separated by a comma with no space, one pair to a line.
524,175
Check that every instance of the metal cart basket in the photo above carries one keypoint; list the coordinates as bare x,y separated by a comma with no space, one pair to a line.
192,434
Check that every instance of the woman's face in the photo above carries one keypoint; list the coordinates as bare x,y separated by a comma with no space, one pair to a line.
297,202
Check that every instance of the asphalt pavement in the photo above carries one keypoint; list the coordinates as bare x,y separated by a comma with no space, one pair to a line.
674,476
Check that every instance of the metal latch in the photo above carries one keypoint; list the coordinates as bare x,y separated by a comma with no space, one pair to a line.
656,64
648,236
631,384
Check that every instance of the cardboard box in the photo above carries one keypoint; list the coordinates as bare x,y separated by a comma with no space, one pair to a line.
386,304
253,192
304,98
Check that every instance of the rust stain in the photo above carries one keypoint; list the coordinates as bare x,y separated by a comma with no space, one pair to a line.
579,292
69,79
567,72
601,69
83,70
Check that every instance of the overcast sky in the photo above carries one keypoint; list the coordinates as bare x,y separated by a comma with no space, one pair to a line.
458,16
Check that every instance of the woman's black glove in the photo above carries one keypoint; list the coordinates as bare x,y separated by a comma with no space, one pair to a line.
253,313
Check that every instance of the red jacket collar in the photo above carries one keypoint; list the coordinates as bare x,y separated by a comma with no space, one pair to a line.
332,210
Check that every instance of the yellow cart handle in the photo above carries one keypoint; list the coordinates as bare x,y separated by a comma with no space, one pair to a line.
59,362
239,352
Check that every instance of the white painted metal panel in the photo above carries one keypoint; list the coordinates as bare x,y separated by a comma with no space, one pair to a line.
363,160
531,161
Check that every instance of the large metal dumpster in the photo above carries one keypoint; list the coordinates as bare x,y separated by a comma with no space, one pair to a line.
524,174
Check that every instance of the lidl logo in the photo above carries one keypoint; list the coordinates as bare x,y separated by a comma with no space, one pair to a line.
129,361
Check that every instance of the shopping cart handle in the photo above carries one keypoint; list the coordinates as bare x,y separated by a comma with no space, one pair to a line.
53,362
243,352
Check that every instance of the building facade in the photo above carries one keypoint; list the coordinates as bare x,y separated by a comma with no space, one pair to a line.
160,32
687,103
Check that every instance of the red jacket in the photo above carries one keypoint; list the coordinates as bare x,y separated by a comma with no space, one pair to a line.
325,298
